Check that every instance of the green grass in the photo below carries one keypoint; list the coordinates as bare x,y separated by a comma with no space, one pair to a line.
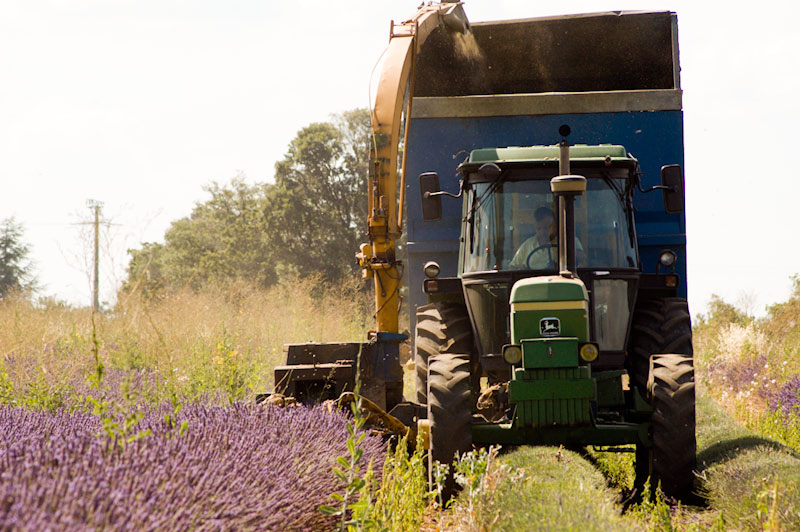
752,481
543,488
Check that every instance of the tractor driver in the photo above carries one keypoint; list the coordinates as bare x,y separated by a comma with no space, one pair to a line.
540,251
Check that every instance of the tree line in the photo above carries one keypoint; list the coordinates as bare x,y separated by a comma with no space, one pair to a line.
310,221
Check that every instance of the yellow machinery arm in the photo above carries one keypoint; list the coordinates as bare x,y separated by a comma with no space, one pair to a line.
385,214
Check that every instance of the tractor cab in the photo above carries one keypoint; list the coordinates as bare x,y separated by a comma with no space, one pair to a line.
543,306
511,232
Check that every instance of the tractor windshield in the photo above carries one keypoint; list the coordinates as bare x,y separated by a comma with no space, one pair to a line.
510,224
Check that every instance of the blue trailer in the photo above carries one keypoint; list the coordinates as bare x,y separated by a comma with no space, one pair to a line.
514,344
642,111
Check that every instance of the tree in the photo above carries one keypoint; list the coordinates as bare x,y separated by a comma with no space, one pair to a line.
223,239
15,269
317,214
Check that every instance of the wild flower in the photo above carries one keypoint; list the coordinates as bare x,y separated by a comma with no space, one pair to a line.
787,398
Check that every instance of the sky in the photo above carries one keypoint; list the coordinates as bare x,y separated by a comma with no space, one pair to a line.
140,103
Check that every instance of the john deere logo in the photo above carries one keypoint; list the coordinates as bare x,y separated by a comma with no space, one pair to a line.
549,327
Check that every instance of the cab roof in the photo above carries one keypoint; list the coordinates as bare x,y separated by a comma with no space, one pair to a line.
543,156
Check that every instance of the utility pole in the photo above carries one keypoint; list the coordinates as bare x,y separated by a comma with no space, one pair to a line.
96,205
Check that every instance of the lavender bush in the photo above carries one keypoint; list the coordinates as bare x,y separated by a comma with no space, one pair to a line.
243,467
787,398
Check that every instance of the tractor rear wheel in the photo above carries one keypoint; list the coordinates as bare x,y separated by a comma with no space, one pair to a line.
442,328
449,414
670,388
661,325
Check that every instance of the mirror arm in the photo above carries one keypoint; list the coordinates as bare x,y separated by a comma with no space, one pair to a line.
443,193
657,187
638,174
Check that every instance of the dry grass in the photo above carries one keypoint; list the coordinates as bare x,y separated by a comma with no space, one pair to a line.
223,340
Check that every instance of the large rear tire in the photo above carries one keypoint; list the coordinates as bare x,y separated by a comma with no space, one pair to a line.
449,414
442,328
660,325
671,390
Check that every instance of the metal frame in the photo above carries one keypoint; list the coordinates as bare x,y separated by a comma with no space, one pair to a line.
548,103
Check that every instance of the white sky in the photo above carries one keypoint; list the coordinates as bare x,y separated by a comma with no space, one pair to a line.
139,103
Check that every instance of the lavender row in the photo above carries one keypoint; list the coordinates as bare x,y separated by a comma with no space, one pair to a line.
244,467
787,398
753,377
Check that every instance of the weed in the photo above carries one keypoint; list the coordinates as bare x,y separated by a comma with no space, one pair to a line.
353,516
440,472
653,510
403,495
6,388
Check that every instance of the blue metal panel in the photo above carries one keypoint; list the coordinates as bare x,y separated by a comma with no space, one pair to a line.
440,144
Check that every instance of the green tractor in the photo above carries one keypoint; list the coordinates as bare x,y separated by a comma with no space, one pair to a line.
551,334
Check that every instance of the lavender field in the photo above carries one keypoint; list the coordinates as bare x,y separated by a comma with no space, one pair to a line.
243,467
143,418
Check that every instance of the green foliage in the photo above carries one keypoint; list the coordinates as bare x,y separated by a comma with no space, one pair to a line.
784,320
617,467
786,430
756,489
223,239
318,208
751,482
479,475
6,388
119,419
230,370
440,472
15,270
653,510
720,312
403,494
39,395
353,506
309,222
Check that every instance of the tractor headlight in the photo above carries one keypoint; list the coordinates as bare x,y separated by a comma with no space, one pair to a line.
589,352
512,354
431,269
667,258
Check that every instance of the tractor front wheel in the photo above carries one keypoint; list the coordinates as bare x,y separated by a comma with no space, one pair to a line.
442,328
660,325
449,415
670,387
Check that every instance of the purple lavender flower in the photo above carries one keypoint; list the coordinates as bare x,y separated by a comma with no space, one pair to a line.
787,398
244,467
741,374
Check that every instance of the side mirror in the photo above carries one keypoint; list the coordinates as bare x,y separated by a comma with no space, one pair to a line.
672,180
431,205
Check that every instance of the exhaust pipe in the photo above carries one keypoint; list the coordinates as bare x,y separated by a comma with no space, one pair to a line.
566,187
